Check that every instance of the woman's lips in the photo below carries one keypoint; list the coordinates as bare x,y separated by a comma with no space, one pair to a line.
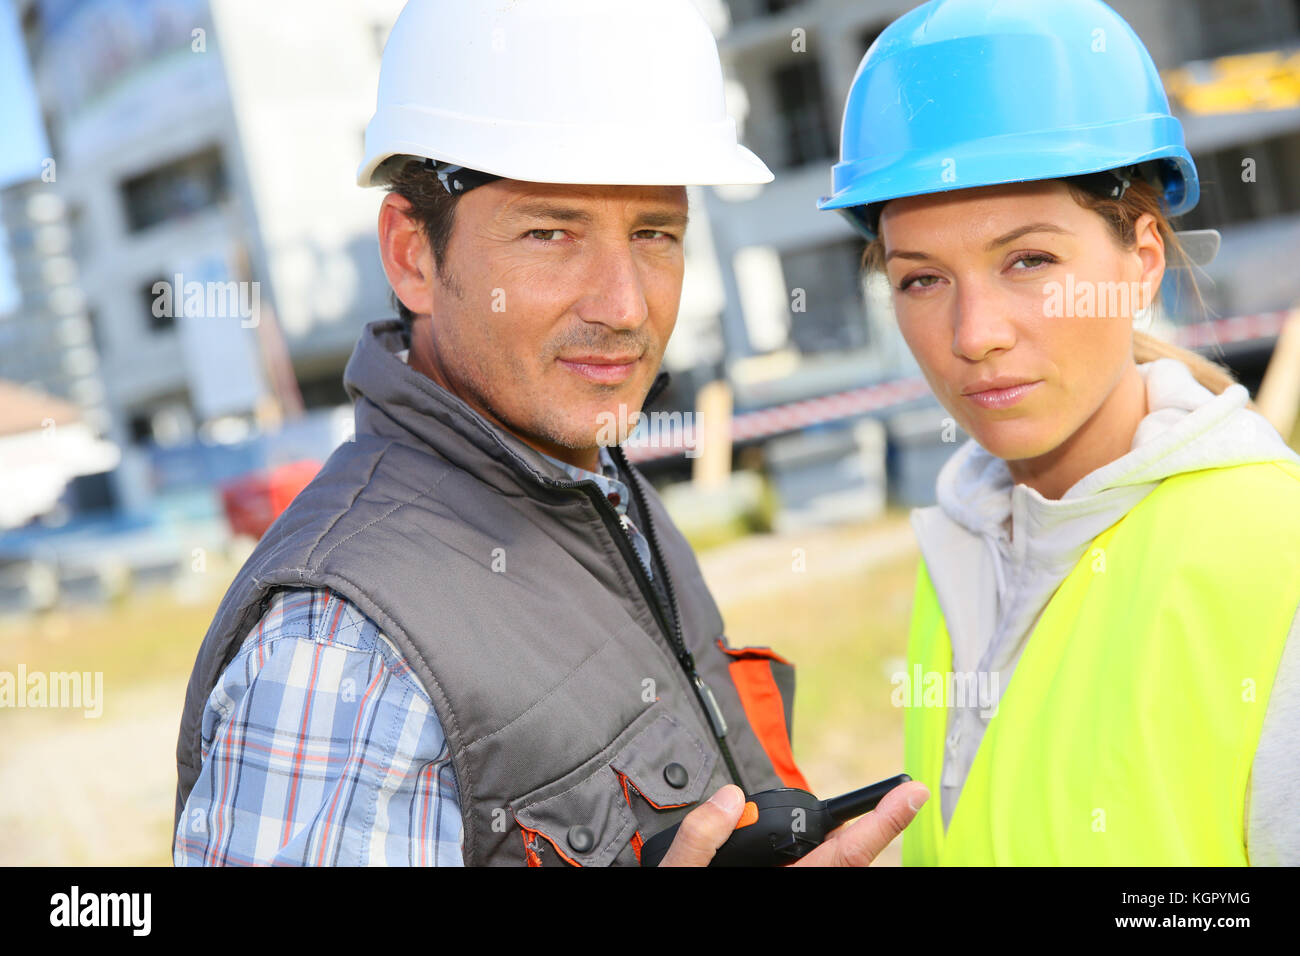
601,373
1002,397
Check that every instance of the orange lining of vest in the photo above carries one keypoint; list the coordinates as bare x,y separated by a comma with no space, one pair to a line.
530,838
751,671
665,806
636,836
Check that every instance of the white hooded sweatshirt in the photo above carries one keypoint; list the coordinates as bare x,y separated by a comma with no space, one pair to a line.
996,552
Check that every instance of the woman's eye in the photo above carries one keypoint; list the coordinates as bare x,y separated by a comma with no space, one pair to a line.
1033,260
917,280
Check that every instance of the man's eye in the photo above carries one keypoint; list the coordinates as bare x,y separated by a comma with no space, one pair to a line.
656,234
545,235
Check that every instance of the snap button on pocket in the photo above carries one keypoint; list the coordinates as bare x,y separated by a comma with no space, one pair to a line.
583,815
676,776
581,839
667,763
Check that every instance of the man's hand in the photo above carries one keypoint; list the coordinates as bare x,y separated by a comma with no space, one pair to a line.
707,827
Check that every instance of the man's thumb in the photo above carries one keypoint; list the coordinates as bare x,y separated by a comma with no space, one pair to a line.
706,828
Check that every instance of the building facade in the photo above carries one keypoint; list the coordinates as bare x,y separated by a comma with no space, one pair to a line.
797,320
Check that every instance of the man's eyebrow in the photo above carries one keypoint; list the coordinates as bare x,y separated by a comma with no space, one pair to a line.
657,218
558,213
1002,240
550,211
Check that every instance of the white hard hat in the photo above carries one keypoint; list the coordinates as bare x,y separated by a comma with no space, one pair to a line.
618,92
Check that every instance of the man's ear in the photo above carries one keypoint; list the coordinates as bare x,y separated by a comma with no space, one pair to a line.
407,258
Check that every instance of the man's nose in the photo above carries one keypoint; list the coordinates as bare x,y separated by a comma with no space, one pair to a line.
980,323
614,292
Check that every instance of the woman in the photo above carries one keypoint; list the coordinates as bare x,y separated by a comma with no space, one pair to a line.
1122,532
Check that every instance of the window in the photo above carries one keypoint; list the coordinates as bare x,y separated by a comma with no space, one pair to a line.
140,428
801,105
1246,182
51,127
742,10
825,281
77,227
869,34
324,390
158,323
33,29
1238,26
96,333
175,190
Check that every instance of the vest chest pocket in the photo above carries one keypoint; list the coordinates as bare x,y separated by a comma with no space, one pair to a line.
600,814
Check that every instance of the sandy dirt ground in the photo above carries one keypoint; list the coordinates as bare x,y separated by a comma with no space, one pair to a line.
100,791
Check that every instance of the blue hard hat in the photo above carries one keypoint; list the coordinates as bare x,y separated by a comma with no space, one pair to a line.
963,93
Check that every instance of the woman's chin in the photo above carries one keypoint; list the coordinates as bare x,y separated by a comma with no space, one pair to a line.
1012,441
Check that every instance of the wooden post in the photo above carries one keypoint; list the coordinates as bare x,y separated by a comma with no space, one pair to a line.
1278,398
713,407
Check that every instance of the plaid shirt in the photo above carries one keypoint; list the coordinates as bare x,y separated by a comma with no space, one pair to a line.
321,748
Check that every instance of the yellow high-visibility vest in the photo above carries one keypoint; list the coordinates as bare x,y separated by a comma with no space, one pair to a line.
1128,729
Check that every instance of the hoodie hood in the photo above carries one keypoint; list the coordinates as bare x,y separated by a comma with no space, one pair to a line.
996,550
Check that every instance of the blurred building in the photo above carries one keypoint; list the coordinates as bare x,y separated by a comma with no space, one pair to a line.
47,342
211,142
217,141
797,321
48,353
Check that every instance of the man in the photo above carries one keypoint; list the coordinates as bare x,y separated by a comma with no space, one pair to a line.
476,637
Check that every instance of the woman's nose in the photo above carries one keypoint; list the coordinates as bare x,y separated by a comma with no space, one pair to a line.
980,322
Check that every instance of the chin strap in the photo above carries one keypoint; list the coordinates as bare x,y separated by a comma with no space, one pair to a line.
458,180
1109,183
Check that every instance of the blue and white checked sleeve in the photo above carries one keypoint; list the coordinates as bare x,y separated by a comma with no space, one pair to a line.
320,748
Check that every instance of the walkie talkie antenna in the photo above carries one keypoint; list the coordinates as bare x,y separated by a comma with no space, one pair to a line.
862,801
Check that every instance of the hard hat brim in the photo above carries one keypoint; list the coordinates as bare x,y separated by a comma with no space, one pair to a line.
626,154
997,161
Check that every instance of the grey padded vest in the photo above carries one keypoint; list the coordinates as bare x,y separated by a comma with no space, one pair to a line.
519,603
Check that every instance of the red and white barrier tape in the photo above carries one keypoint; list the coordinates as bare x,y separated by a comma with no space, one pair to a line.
765,422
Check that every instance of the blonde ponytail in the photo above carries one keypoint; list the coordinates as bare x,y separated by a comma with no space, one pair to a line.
1148,348
1122,215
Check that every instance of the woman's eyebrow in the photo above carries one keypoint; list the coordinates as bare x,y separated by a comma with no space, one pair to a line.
1002,240
903,254
1025,230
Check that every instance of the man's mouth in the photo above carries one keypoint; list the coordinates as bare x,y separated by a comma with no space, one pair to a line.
601,369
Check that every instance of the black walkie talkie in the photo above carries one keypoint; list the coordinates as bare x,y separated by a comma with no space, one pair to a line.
780,826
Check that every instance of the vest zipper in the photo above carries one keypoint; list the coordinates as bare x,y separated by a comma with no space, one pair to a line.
702,691
717,723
